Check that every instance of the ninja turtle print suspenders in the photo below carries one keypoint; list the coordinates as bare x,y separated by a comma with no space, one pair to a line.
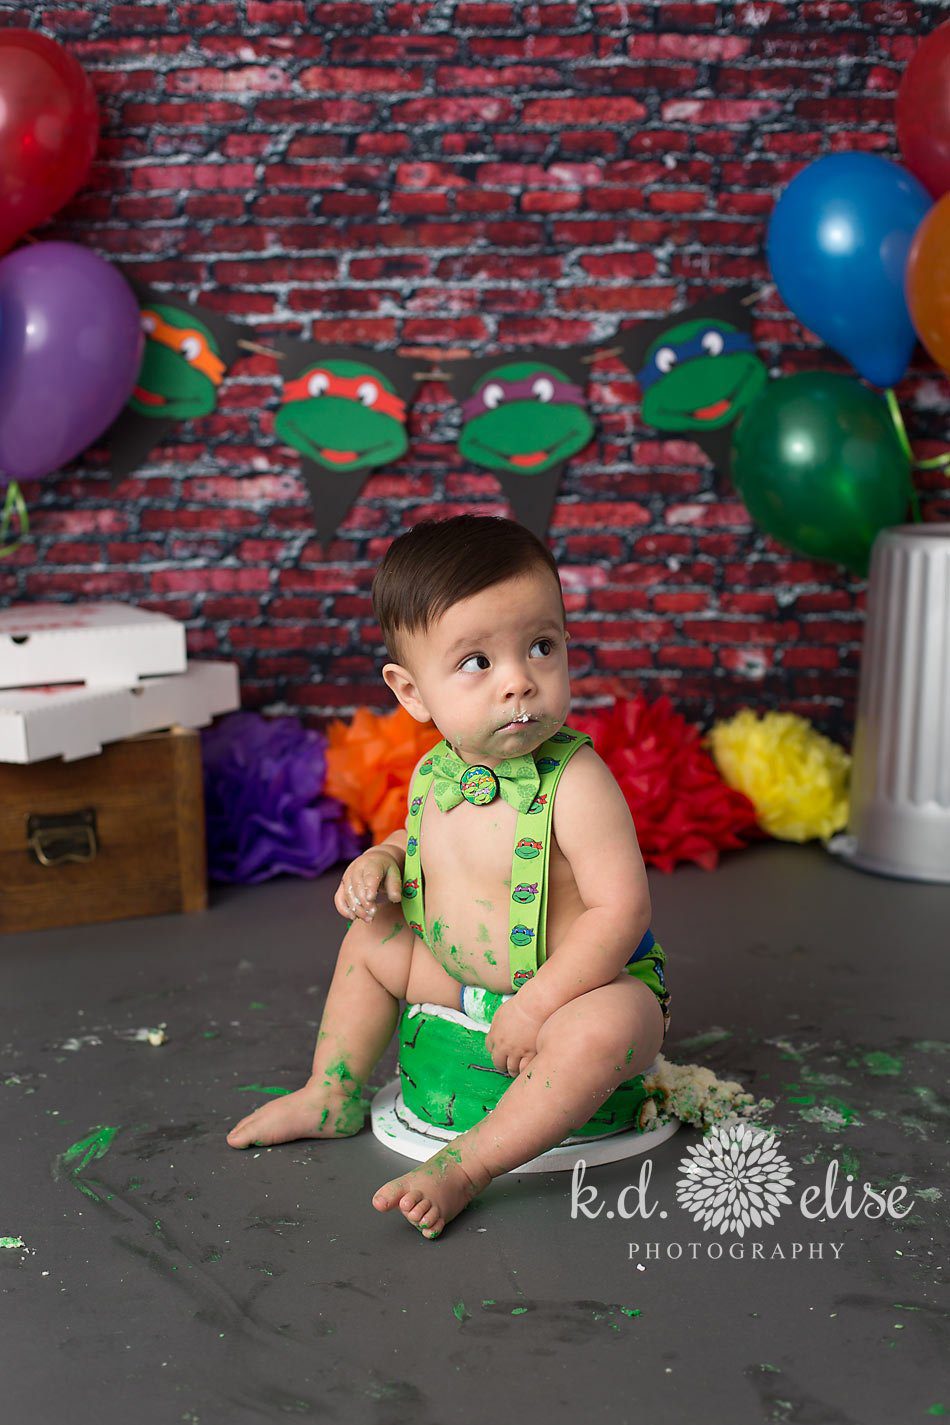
529,865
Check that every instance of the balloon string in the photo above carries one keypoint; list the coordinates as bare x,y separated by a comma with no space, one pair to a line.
14,508
901,429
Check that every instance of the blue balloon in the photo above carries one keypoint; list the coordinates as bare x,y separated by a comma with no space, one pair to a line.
837,246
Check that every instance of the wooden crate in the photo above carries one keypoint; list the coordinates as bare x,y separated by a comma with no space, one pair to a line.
129,823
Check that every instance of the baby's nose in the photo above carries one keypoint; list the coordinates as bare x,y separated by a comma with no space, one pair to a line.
519,685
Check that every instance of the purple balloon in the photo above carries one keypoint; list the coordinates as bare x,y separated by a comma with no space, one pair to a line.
71,345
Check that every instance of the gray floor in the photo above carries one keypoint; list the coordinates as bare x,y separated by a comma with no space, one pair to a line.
172,1279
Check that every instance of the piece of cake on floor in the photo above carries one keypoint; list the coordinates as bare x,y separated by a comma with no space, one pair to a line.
696,1095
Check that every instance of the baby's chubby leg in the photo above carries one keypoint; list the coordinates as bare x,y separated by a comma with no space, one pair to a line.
359,1018
585,1050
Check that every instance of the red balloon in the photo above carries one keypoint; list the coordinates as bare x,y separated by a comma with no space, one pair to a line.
923,111
49,126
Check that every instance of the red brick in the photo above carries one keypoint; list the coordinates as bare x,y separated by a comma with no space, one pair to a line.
688,15
713,48
809,658
455,109
590,109
198,175
637,77
680,603
683,657
740,631
86,584
718,111
488,16
217,14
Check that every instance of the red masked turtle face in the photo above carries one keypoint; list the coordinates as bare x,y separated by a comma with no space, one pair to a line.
343,415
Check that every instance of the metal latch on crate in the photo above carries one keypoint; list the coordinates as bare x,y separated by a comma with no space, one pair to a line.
70,836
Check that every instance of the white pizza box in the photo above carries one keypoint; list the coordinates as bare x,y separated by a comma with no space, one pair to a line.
97,644
74,721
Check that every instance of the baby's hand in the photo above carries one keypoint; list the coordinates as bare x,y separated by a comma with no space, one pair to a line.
360,883
512,1040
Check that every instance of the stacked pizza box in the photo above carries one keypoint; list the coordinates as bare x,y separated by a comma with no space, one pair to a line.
76,676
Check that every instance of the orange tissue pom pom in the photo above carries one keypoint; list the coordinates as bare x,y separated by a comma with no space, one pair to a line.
369,764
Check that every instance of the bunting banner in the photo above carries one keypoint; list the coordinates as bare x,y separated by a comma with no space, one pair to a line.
523,416
188,352
697,370
345,409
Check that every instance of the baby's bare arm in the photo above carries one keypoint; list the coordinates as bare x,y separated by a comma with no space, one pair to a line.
377,871
380,866
595,831
397,842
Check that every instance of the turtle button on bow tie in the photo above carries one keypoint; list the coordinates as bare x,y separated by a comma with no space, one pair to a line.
516,778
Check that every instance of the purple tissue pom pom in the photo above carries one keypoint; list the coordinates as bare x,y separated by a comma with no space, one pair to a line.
264,808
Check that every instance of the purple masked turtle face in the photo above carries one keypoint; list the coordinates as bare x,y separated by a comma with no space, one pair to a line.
524,416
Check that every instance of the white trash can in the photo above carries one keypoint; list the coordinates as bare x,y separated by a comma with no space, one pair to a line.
900,778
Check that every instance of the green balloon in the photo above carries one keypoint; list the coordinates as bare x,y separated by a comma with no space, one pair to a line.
821,467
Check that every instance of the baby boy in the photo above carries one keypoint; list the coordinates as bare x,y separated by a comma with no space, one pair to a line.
473,618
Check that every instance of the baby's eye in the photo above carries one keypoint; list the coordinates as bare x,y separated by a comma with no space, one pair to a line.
474,658
547,646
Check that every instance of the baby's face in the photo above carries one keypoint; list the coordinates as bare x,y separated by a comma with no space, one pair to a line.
491,659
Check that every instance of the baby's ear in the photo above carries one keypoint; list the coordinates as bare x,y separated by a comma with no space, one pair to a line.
401,682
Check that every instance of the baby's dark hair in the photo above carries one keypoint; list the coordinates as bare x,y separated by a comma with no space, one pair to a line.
438,563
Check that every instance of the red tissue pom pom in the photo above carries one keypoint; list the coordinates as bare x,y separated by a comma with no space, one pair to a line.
682,808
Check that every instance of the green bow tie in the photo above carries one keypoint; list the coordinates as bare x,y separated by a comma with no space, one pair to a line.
517,778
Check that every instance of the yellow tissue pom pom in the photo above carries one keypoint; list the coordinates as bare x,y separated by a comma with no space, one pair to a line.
796,778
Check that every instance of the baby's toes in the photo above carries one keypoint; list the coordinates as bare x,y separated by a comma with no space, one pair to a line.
417,1213
409,1201
434,1228
388,1195
239,1127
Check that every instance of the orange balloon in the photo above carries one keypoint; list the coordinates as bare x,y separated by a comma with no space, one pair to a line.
927,282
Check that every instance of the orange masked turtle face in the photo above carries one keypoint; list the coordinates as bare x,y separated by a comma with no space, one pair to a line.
181,368
492,672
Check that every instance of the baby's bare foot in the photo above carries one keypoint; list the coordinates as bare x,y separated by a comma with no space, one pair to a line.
315,1111
435,1192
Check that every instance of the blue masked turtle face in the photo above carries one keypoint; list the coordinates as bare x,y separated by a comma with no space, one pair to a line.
524,417
700,375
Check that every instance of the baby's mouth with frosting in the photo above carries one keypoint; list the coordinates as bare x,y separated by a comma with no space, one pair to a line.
524,719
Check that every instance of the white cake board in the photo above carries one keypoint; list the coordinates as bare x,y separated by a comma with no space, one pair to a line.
400,1129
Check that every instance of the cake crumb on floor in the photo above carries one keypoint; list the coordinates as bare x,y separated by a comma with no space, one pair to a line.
695,1095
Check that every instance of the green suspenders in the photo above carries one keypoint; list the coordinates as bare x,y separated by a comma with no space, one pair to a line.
529,864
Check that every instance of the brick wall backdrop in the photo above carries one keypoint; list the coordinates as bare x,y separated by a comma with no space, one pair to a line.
450,177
